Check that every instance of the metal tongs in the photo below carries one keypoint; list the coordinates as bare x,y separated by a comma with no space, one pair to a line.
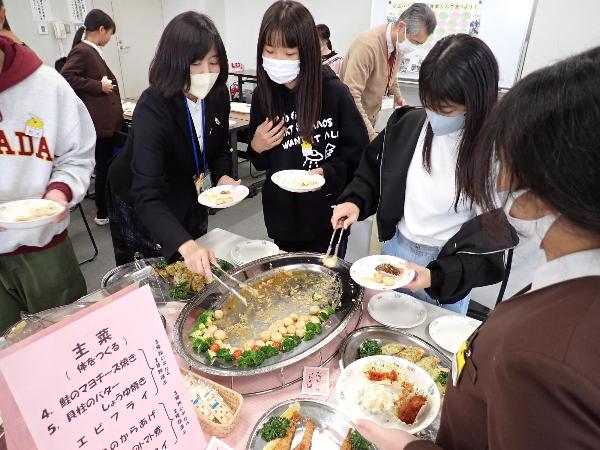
241,285
331,260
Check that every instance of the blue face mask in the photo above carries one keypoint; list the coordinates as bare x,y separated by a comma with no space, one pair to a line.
442,125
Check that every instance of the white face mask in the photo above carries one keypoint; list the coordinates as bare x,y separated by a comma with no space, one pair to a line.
405,47
529,229
202,83
281,71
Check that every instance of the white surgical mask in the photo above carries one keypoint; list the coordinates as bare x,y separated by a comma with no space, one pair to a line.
202,83
405,47
442,125
535,229
281,71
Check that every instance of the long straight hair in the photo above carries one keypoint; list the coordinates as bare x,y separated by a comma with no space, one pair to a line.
188,37
288,23
460,69
95,19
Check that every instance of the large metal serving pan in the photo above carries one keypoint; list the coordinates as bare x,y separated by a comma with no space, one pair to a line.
212,297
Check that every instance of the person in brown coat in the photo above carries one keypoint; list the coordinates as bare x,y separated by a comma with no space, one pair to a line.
530,378
92,80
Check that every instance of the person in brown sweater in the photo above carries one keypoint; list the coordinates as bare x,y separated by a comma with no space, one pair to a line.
531,374
92,80
370,67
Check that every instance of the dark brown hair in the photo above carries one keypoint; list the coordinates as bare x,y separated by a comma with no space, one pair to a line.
460,69
95,19
290,24
545,132
186,38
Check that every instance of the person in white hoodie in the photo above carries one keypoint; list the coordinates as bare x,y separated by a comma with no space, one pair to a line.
47,143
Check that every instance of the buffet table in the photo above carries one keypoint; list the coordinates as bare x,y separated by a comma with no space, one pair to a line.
221,242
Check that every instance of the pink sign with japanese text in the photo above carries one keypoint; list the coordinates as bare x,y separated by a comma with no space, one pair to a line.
103,379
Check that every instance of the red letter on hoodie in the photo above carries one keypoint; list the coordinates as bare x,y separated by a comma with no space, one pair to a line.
5,145
22,151
43,150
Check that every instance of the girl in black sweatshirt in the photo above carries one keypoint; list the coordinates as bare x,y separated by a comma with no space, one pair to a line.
302,117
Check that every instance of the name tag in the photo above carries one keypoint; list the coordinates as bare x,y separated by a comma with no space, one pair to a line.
388,102
203,183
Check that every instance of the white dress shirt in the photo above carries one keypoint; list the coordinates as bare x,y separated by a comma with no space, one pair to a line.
568,267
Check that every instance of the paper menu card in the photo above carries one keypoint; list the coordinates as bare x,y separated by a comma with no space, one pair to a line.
104,378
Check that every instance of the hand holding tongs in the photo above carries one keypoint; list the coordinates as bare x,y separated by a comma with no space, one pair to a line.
331,260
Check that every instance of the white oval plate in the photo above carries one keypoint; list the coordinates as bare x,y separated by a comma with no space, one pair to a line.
352,380
362,272
11,213
210,197
449,332
249,251
397,310
292,180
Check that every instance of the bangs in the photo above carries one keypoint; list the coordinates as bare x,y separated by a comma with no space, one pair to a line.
281,34
200,43
437,89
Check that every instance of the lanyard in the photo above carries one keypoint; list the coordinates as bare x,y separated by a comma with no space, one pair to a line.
391,61
195,137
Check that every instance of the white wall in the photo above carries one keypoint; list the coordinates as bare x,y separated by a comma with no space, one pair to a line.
46,46
243,17
560,30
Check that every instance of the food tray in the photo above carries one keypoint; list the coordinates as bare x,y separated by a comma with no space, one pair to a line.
333,422
350,299
349,348
233,399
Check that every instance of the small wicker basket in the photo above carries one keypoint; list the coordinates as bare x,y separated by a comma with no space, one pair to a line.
233,399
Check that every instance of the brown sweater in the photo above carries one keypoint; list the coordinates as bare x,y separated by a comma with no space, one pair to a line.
83,70
365,71
533,379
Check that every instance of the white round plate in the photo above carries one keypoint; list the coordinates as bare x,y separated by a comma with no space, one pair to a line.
362,272
449,332
352,380
210,196
397,310
13,215
298,181
249,251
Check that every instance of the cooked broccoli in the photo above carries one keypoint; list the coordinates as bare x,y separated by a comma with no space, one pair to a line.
442,378
251,358
200,345
275,428
196,333
161,264
225,354
330,310
269,351
358,442
311,330
289,343
210,357
323,316
205,318
181,291
369,348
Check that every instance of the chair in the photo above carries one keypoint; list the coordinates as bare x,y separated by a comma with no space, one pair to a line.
89,231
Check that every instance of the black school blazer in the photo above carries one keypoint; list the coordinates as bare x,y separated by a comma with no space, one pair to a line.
154,172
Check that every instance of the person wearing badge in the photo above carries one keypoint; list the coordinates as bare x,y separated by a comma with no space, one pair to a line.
527,378
302,118
177,147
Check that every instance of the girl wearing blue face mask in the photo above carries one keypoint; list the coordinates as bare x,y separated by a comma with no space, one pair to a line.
418,175
302,117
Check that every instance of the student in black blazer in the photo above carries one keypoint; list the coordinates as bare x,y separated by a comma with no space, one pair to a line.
178,145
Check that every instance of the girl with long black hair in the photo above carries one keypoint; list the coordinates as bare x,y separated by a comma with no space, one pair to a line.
96,85
418,176
302,117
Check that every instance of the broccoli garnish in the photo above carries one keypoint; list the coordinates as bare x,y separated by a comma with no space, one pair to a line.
161,264
442,378
358,442
275,428
181,291
369,348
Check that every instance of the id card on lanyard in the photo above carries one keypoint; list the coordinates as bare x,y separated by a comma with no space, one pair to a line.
388,100
202,180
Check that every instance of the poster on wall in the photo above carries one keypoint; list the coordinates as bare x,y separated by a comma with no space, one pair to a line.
77,10
40,10
458,16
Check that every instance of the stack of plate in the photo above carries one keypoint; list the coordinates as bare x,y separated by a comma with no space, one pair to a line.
248,251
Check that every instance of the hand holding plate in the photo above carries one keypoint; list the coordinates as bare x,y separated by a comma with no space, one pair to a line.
422,279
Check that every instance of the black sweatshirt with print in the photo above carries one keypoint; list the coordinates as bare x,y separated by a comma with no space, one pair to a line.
338,140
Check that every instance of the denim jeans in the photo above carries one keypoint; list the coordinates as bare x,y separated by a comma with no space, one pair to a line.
421,254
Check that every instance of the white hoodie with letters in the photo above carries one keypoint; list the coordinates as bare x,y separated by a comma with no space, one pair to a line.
46,136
